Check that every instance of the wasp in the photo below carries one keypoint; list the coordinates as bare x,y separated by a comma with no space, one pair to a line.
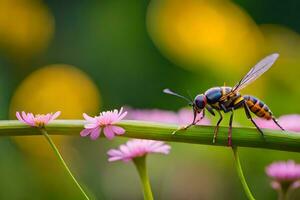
227,99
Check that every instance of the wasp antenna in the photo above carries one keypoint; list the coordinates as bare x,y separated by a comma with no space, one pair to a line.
168,91
190,96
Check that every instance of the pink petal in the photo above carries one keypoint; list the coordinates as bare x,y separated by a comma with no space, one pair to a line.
85,132
28,118
95,133
114,158
290,122
163,149
137,148
55,115
275,185
108,132
263,123
125,149
296,185
24,116
114,152
91,126
122,115
155,144
19,117
88,118
118,130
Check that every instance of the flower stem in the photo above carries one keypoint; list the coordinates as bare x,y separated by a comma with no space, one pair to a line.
140,163
241,174
60,158
242,136
281,196
285,192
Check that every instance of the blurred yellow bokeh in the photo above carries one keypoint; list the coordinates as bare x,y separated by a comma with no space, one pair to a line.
26,27
54,88
195,33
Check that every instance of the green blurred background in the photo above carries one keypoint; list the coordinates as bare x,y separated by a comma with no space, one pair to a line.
88,56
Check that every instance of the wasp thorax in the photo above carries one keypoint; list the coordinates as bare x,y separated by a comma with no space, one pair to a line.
200,101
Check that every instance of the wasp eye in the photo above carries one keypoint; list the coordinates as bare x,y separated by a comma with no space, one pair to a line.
200,101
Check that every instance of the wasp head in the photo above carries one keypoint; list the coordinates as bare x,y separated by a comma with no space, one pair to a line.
199,102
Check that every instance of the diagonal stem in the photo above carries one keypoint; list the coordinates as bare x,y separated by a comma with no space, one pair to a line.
60,158
241,174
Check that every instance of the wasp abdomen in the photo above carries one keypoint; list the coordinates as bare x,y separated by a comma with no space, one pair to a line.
258,107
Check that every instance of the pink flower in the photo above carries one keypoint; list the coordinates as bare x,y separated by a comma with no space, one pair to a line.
153,115
182,117
137,148
284,171
269,124
185,116
105,121
277,186
288,122
36,120
285,176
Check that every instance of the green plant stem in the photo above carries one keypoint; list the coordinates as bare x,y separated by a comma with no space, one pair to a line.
241,174
140,163
285,192
60,158
288,194
282,196
241,136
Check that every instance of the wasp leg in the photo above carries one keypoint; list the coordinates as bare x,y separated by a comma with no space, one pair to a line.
210,110
203,115
194,120
247,111
188,126
178,129
226,110
217,127
230,129
276,122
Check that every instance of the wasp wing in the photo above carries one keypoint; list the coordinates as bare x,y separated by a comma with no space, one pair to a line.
256,71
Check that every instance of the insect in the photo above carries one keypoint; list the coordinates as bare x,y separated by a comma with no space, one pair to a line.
228,99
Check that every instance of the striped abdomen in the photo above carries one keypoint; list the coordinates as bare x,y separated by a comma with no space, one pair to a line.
258,107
